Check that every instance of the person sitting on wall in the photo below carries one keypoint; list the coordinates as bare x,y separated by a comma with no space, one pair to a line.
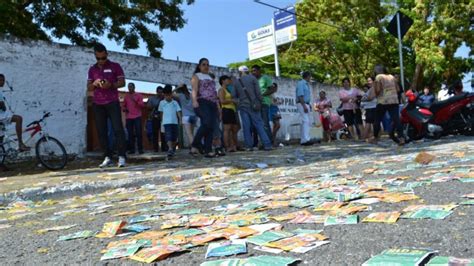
7,117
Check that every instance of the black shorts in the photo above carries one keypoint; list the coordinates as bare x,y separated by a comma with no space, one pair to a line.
171,132
370,115
229,117
351,117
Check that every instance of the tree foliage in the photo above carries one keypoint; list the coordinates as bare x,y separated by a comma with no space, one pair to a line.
440,28
352,39
82,22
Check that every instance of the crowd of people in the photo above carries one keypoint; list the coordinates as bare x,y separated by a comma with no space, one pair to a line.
212,117
364,110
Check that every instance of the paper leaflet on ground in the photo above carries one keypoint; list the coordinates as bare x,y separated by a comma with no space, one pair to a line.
253,261
427,214
226,248
149,255
400,257
382,217
56,228
450,261
111,229
77,235
338,220
268,237
120,252
290,243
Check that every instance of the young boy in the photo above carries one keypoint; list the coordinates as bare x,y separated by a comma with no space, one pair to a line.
170,113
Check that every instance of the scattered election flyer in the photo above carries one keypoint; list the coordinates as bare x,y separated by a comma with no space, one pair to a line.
149,255
337,220
400,257
450,261
382,217
120,252
226,248
78,235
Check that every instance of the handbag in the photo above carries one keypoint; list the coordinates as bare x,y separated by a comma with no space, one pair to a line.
339,110
255,104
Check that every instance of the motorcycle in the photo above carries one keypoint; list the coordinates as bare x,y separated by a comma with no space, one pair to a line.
454,115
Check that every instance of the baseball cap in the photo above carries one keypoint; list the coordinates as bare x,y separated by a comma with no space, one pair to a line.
243,69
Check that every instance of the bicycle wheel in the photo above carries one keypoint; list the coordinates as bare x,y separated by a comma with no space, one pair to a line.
3,154
51,153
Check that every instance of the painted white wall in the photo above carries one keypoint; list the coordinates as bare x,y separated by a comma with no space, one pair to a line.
49,77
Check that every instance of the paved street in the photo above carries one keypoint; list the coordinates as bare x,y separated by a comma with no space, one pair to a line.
244,194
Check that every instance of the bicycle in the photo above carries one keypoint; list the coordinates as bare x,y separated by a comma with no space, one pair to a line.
49,151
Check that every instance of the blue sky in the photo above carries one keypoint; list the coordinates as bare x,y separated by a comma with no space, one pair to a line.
217,29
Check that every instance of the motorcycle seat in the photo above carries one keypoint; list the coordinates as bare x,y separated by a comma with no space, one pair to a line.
439,105
424,105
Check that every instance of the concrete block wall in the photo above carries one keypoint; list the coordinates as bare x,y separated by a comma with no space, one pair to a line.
49,77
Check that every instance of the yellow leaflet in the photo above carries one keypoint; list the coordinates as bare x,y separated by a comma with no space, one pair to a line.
290,216
382,217
149,255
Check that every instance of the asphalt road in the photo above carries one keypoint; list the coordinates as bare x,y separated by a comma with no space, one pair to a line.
307,168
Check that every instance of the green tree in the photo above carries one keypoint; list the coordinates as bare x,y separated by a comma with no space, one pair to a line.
440,28
82,22
347,38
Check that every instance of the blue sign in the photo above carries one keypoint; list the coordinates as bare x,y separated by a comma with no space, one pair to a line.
285,18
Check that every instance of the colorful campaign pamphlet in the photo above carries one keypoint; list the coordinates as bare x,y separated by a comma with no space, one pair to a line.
382,217
450,261
400,257
337,220
226,248
120,252
149,255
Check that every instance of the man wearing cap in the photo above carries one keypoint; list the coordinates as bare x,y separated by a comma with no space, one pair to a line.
303,99
246,94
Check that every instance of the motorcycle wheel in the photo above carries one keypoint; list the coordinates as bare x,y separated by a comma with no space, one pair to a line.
410,133
469,131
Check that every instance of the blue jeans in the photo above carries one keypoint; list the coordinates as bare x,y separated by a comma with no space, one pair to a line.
266,120
393,111
110,135
249,119
102,113
134,129
207,112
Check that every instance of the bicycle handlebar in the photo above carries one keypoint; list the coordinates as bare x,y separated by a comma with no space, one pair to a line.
46,115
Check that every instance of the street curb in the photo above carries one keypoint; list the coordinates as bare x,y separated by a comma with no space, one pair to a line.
83,188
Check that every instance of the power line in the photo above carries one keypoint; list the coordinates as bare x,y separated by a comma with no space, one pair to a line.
293,13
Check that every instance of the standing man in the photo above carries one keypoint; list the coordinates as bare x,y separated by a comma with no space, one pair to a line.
157,135
266,89
132,106
104,79
303,99
246,94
